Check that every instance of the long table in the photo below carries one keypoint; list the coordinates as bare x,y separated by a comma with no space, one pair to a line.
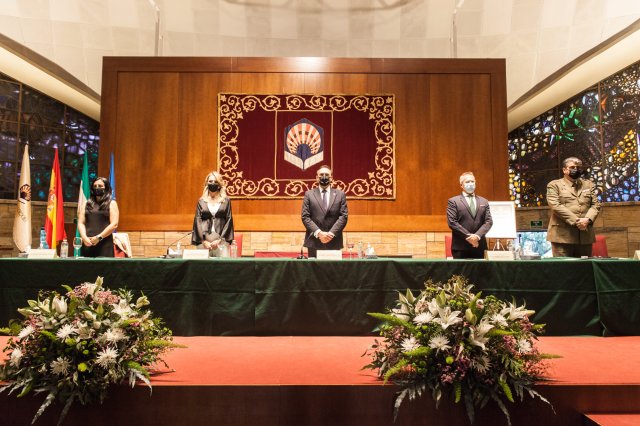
253,296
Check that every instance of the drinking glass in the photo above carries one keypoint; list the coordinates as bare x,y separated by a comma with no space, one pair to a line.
350,247
77,245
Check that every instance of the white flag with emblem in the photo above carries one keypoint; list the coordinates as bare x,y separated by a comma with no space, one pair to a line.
22,219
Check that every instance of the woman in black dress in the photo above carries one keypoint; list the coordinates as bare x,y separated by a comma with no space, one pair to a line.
97,220
213,221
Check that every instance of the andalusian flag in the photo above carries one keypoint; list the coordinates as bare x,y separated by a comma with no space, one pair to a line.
22,219
85,188
54,222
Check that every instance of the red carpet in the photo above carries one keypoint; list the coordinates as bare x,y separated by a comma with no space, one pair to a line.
318,380
333,360
337,361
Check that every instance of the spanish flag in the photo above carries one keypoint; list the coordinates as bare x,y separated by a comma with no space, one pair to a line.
54,222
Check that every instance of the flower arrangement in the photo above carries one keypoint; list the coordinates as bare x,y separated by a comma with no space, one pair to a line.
73,346
448,340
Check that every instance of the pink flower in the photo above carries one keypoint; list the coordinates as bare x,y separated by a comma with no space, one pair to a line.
105,297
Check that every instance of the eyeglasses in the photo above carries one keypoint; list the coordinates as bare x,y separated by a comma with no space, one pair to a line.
574,168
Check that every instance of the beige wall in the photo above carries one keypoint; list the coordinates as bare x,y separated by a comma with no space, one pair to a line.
620,223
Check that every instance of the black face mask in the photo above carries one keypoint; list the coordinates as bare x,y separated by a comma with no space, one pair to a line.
324,181
213,187
575,173
99,192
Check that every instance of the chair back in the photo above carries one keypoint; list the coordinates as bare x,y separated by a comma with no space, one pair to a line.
238,237
599,248
447,246
121,245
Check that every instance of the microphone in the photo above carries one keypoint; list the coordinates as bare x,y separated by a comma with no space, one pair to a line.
302,256
170,255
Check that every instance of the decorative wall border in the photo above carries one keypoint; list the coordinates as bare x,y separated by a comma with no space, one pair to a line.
378,183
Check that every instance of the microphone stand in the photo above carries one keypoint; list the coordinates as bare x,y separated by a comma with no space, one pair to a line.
167,256
302,256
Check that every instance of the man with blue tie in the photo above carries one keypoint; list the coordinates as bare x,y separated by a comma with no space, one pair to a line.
324,214
469,218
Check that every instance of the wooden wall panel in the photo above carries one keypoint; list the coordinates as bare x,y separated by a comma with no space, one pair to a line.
145,149
459,134
198,129
159,116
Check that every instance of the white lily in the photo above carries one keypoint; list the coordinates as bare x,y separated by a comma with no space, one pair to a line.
44,306
122,308
402,312
513,312
484,327
142,301
433,307
447,317
91,288
59,305
500,320
478,337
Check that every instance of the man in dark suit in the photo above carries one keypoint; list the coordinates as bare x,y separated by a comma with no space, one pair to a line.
469,218
324,214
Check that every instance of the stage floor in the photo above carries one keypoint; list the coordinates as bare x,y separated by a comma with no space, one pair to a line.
338,361
319,380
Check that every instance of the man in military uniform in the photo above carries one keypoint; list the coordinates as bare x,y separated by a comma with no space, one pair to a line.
574,207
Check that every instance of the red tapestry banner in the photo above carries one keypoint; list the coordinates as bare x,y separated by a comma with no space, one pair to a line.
271,146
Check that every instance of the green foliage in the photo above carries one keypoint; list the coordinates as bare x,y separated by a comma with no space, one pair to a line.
507,390
396,369
74,346
449,340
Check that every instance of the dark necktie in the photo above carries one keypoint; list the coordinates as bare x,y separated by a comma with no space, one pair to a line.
472,205
324,198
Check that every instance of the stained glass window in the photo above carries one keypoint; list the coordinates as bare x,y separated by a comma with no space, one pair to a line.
601,126
28,116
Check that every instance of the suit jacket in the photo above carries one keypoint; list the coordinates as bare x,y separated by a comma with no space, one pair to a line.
332,219
463,224
211,227
568,203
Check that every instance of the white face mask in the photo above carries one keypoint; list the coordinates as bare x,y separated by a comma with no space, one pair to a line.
469,187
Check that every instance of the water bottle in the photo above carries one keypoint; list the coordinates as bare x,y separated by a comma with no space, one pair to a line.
511,247
43,239
360,250
233,249
224,248
64,249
